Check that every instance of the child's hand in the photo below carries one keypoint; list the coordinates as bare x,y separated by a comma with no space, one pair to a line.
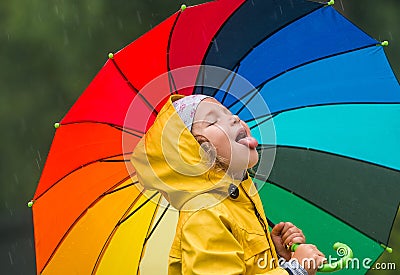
309,257
284,234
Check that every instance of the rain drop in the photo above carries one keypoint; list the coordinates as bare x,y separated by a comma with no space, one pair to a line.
40,157
38,165
11,211
216,45
341,4
10,257
16,179
139,17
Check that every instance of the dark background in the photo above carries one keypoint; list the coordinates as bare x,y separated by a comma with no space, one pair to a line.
51,50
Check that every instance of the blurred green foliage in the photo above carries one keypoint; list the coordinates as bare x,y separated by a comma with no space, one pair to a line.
50,51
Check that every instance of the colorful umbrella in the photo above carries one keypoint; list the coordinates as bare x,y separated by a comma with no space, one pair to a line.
333,102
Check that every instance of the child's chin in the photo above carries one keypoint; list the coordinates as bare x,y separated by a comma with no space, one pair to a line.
252,164
253,159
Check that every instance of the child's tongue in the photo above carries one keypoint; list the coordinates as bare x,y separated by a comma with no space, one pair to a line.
249,142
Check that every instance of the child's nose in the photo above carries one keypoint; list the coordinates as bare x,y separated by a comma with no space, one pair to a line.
235,119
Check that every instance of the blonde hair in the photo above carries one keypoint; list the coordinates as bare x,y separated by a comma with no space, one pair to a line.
219,163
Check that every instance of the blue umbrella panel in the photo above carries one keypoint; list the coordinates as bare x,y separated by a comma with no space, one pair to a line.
332,120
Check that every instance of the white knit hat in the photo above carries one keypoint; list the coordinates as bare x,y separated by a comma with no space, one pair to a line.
186,108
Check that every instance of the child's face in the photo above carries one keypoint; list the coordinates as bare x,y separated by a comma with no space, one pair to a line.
229,135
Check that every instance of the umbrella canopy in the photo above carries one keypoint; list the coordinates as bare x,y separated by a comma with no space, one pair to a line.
333,101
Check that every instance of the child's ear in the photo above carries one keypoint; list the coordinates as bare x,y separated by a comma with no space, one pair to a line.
209,148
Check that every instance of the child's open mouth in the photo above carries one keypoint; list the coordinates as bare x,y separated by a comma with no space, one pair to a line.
244,139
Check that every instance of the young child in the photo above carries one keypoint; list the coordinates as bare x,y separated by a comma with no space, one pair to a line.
196,154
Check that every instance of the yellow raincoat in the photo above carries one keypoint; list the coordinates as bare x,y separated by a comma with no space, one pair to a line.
219,231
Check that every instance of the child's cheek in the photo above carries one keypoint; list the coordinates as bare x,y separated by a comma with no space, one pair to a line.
223,145
246,127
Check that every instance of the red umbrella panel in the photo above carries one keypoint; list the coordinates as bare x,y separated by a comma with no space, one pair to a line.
86,193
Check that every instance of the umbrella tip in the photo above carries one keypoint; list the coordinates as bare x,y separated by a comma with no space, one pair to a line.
57,125
111,55
30,203
385,43
183,7
331,3
387,248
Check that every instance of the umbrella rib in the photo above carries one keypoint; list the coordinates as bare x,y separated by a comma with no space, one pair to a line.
254,91
137,92
274,114
119,223
96,265
262,40
147,234
76,169
125,130
203,77
219,30
230,84
268,117
172,85
137,209
295,67
271,146
119,183
322,209
392,225
267,37
266,146
202,74
121,188
75,222
276,31
218,88
214,41
156,224
120,128
115,160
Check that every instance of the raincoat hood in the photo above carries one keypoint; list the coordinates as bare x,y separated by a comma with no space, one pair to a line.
169,159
